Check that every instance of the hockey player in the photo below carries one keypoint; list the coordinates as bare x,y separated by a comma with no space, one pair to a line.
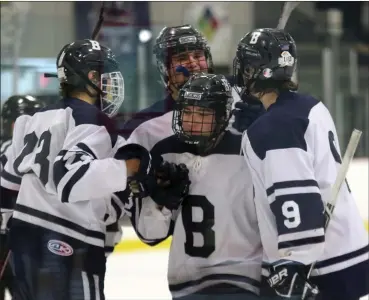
294,156
181,51
14,107
215,251
69,166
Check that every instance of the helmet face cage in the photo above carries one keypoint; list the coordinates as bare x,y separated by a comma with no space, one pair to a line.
200,118
79,58
189,50
112,92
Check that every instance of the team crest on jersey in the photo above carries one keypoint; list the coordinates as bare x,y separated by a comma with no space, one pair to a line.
59,248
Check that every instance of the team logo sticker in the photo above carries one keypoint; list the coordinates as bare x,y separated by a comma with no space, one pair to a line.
286,59
59,248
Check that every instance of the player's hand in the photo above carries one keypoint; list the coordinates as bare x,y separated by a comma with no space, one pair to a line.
246,112
289,280
172,185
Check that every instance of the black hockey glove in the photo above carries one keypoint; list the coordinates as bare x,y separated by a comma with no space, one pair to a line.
172,185
289,280
143,181
246,112
131,151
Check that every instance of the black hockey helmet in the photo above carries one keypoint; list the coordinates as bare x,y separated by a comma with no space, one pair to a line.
210,97
77,59
14,107
264,54
178,40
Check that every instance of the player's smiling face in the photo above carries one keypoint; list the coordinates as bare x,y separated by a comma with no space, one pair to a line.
198,121
194,61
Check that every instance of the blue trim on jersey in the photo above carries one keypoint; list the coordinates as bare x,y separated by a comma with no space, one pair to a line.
290,184
59,221
283,125
87,149
342,258
86,113
226,277
10,177
72,181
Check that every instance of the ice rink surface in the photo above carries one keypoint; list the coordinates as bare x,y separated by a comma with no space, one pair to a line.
139,275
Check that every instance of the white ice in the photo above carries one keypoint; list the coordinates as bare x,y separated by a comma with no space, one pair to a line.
139,275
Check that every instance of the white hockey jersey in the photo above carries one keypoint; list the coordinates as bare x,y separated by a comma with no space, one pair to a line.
294,156
62,162
215,233
6,208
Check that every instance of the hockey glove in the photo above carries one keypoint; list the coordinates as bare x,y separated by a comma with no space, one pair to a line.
172,185
131,151
289,280
143,181
246,112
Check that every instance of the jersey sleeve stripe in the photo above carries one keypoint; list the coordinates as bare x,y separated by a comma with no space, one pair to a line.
134,215
86,149
302,242
72,181
59,221
117,209
59,168
246,282
290,184
3,160
11,178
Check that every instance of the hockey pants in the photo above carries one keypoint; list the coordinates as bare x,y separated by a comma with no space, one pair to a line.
7,281
51,266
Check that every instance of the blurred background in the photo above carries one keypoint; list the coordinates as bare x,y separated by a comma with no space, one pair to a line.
332,40
333,48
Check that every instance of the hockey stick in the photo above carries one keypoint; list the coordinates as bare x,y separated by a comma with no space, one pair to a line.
288,8
3,266
94,35
342,172
100,22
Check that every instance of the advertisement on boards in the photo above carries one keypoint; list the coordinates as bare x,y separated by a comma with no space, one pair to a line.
212,19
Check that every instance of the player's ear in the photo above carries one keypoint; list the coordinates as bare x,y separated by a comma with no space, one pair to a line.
94,76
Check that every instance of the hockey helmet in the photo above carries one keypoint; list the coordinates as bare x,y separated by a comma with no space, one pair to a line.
203,110
77,59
